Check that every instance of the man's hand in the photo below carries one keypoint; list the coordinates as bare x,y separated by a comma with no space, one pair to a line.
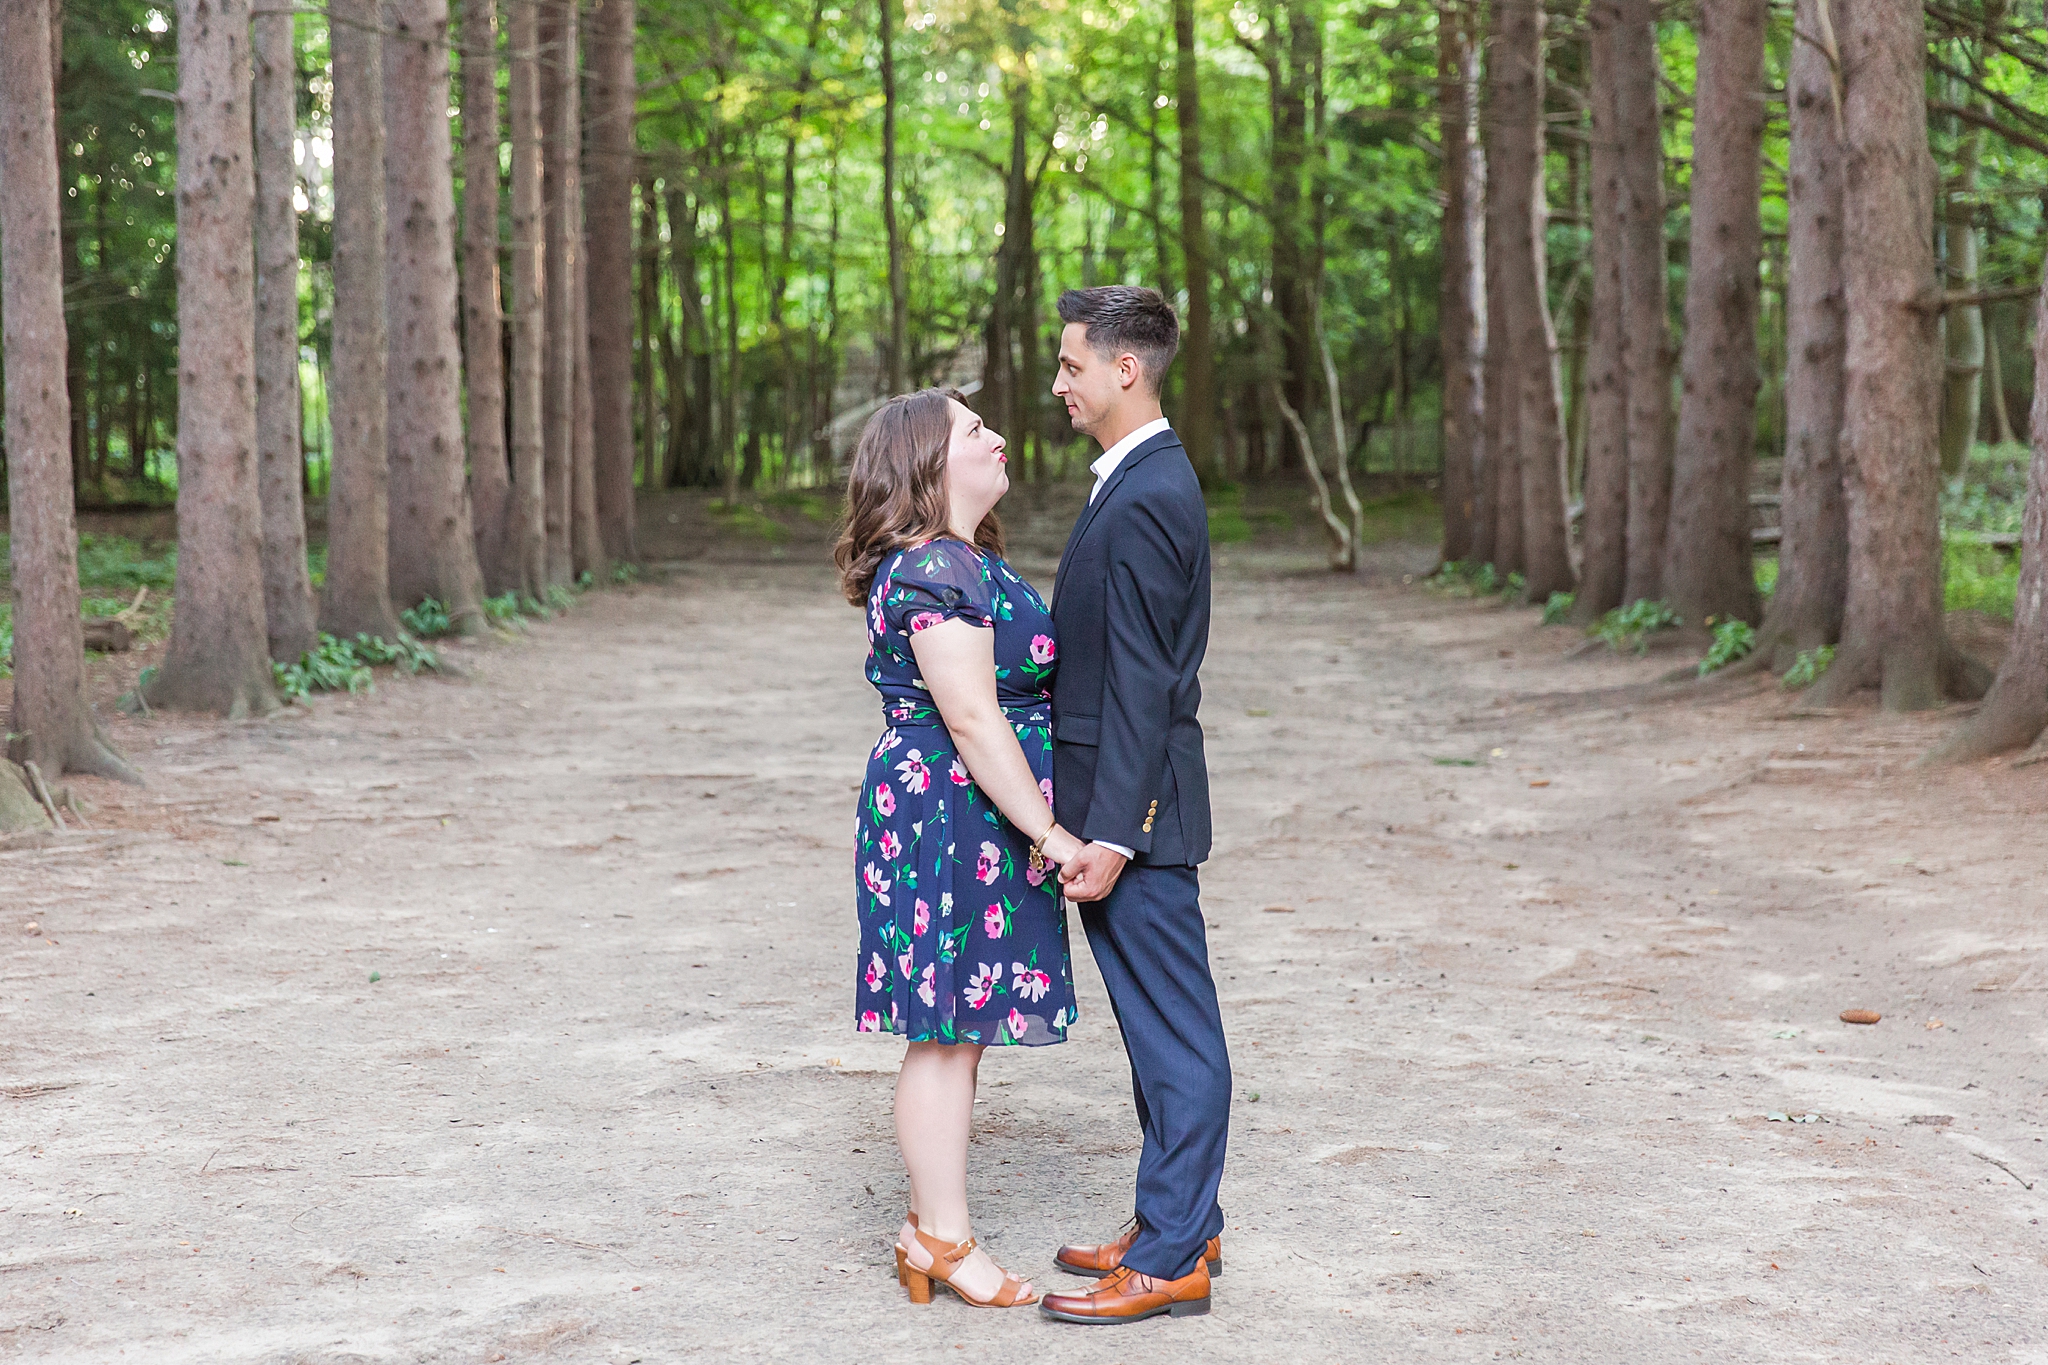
1091,874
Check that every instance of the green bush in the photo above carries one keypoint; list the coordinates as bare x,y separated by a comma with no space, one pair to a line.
427,620
1631,626
1767,576
344,665
1558,609
1979,578
1732,640
113,561
1807,668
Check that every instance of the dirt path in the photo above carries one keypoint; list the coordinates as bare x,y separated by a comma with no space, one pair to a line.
507,1019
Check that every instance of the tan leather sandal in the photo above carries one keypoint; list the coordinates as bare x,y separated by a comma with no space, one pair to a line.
946,1260
903,1257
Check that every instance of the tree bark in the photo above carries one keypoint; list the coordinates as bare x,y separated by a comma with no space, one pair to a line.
526,533
433,543
1461,306
357,596
562,117
2015,712
1892,633
648,284
586,541
1536,463
897,366
281,474
1813,550
1604,531
483,336
1708,563
51,723
1197,416
1962,328
219,656
1646,325
610,315
1994,380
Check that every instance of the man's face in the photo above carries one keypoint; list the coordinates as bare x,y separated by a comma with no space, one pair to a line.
1089,383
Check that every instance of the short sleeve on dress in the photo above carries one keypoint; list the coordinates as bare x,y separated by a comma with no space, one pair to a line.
939,581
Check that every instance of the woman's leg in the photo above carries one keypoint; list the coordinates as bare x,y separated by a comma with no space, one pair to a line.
934,1115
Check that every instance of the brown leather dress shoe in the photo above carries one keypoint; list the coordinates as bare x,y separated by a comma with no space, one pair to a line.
1107,1256
1126,1296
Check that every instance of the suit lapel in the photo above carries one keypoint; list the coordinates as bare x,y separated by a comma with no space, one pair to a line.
1162,441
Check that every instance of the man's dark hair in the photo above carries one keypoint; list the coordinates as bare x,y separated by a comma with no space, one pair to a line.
1122,318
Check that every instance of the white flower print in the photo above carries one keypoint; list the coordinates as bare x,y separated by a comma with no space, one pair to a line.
878,885
892,847
927,986
990,865
992,920
917,778
1030,983
981,985
878,972
890,739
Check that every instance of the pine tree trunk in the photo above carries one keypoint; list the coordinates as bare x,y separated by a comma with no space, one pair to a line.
562,119
898,360
610,318
1196,421
1994,381
1604,531
586,541
1708,564
51,722
1461,305
2015,713
526,535
483,335
1534,473
281,475
648,282
1646,324
1892,632
1813,550
1962,328
433,543
219,655
357,596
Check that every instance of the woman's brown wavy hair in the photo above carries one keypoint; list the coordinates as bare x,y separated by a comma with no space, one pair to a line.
896,490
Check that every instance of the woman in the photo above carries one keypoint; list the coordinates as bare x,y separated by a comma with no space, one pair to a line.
963,942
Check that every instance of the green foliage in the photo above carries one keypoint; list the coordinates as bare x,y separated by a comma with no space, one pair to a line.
344,665
1631,626
1767,576
1465,578
426,621
6,639
746,519
1732,640
1990,493
559,598
1558,609
1807,668
113,561
1516,589
1979,578
1227,523
625,573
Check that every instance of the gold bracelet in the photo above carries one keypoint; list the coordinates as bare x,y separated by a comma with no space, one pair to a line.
1037,857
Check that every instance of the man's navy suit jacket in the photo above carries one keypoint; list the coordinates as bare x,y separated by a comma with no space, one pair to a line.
1131,605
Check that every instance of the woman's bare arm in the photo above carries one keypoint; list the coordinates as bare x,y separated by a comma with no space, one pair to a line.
958,661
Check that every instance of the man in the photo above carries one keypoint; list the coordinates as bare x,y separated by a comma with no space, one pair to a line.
1132,609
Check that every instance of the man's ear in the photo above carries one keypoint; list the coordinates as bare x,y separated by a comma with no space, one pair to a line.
1128,370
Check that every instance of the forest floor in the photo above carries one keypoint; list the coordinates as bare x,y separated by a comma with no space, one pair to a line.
508,1017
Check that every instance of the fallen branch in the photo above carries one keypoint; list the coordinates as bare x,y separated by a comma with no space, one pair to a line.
42,791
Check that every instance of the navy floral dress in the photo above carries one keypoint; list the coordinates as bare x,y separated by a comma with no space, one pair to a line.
960,941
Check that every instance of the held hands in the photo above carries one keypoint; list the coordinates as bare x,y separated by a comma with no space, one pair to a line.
1091,873
1060,847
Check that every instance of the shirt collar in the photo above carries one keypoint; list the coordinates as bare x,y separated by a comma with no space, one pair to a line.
1105,464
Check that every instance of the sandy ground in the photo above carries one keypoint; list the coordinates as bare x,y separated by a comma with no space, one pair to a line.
508,1018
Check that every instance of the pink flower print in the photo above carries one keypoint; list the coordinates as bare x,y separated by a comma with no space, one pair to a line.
989,865
892,847
870,1022
906,966
1030,983
877,884
1045,790
921,919
981,985
927,986
992,919
925,620
876,624
1043,649
1018,1023
890,739
958,773
885,799
1034,875
878,972
917,779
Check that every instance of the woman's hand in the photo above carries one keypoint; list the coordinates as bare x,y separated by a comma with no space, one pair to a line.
1060,846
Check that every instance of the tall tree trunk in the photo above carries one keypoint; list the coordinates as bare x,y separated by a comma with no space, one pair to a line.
1461,298
1708,563
526,533
1813,549
899,306
1523,324
1288,57
1197,417
562,116
649,284
1892,633
609,320
692,438
1962,328
357,596
1604,530
433,543
51,723
586,540
483,333
1994,381
281,474
219,656
2015,712
1646,324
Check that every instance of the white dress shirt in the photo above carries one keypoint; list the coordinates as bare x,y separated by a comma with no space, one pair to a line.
1103,466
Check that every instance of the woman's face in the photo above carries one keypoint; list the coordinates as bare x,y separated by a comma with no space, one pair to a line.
977,471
